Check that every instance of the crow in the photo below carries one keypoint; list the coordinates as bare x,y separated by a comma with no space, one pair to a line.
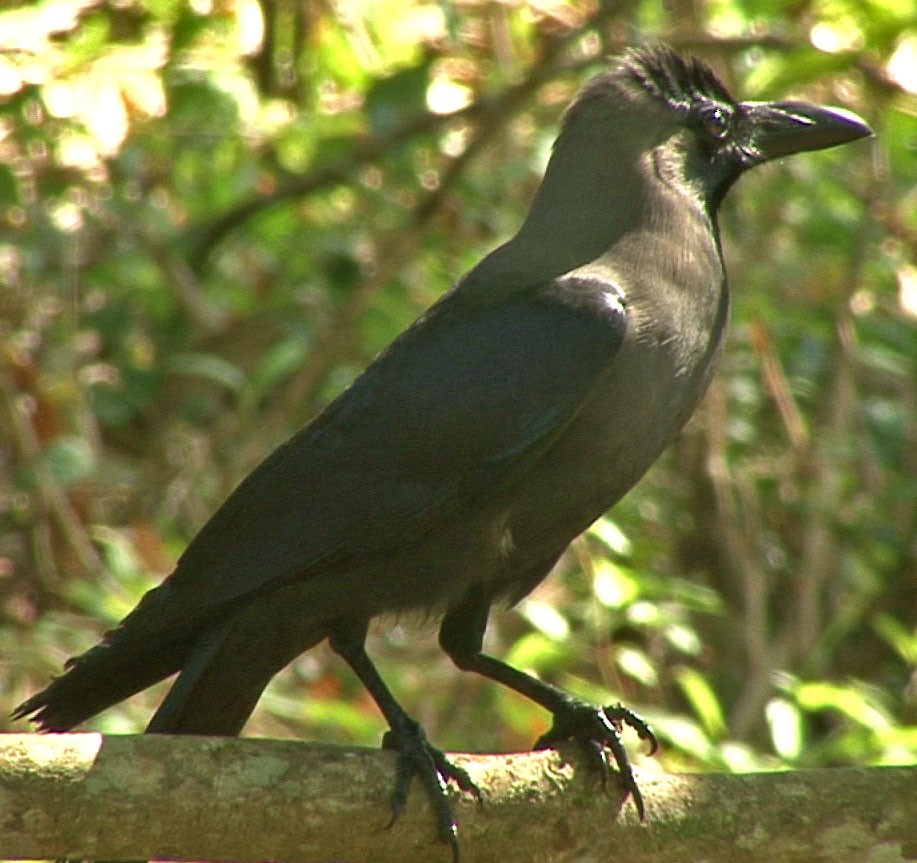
452,474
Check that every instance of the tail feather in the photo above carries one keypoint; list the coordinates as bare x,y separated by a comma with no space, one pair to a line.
226,655
172,715
150,644
229,668
96,680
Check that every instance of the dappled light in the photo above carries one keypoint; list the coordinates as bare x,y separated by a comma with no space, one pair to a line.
214,215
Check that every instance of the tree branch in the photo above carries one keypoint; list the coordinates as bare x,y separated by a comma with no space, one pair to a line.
199,798
502,106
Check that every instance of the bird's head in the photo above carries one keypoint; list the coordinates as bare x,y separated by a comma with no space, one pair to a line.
654,101
654,132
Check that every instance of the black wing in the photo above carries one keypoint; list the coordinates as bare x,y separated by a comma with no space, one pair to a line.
461,404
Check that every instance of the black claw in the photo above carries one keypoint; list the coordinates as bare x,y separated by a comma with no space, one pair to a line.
618,714
417,757
457,774
628,780
596,728
404,771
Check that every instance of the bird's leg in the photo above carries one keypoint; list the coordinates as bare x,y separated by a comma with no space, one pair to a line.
416,755
592,726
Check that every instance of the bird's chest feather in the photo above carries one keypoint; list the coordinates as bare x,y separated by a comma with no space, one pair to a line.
637,406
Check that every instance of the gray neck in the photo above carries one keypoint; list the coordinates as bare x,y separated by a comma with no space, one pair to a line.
576,215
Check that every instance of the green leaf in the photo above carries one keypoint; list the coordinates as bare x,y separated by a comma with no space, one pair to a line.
848,700
70,459
702,698
277,364
899,637
611,536
536,651
545,618
209,367
392,100
614,586
786,727
636,664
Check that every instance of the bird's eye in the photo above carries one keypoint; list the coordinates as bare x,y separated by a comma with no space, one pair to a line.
715,121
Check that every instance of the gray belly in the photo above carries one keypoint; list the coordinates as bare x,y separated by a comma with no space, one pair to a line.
633,415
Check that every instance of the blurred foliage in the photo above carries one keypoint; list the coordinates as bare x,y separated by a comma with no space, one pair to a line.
214,213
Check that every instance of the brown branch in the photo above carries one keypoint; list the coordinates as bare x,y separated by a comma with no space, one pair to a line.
199,798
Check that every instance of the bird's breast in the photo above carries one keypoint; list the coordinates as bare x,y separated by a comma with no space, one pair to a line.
637,406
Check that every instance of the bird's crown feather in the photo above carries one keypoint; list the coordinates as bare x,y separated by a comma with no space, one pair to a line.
679,80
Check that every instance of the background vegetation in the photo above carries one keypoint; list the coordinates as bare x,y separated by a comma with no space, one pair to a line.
214,213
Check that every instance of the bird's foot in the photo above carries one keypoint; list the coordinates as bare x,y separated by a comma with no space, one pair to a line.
418,757
593,728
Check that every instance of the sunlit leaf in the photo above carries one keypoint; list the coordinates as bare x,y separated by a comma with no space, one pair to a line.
611,536
545,618
535,651
786,727
702,699
636,664
614,585
848,700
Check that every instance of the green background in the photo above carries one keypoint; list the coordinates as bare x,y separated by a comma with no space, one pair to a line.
214,214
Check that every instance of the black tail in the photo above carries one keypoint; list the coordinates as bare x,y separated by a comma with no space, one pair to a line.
226,655
97,679
139,652
194,706
231,664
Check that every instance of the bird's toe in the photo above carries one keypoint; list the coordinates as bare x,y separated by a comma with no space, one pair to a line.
594,728
418,757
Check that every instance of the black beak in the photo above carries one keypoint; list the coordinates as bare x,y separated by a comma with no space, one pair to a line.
782,128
